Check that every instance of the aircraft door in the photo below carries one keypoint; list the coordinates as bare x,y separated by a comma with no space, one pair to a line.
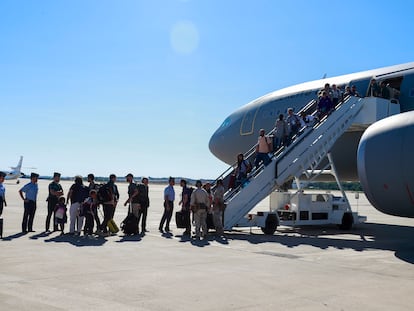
362,86
247,125
406,96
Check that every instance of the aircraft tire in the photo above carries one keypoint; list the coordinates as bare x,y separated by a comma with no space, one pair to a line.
271,224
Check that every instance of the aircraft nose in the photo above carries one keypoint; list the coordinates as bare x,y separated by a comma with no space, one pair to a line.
217,144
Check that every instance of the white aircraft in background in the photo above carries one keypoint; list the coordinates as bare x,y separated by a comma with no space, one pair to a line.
15,172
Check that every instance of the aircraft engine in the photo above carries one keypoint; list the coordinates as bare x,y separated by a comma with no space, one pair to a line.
386,164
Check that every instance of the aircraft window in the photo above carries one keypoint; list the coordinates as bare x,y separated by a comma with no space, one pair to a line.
226,123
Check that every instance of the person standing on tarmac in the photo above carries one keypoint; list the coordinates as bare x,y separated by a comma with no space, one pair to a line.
109,206
132,196
144,202
2,192
30,190
55,191
185,205
169,197
200,202
94,186
218,207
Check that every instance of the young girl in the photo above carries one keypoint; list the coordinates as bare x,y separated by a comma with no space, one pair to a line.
60,212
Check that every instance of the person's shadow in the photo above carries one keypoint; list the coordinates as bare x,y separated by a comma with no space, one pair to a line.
130,238
78,241
14,236
43,234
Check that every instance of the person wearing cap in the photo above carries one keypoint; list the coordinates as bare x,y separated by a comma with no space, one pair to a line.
200,203
169,197
55,191
30,191
2,192
132,196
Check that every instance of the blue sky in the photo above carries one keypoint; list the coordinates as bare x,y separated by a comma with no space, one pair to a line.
140,86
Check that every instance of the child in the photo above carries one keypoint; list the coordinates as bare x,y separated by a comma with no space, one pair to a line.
89,210
60,212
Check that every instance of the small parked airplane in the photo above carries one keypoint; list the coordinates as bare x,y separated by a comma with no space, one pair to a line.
16,172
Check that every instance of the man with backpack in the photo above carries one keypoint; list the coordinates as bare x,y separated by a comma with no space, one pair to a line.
143,199
130,223
109,202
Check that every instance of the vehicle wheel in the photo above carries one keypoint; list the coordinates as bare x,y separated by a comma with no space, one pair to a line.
271,224
347,221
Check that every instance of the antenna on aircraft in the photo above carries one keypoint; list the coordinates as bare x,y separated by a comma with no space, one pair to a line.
324,76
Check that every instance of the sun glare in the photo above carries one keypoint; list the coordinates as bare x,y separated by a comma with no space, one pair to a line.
184,37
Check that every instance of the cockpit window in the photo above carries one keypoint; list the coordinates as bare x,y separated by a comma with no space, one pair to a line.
226,123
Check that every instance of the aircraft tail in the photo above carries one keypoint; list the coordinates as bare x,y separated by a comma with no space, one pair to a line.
18,168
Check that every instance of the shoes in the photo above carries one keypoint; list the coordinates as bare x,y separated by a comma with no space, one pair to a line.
145,230
167,229
186,232
160,229
32,231
47,231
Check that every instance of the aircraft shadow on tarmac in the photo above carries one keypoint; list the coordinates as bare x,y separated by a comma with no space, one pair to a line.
372,236
79,241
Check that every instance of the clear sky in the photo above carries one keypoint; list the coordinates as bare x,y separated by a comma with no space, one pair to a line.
140,86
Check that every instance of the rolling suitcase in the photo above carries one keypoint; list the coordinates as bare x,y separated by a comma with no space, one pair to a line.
182,219
129,225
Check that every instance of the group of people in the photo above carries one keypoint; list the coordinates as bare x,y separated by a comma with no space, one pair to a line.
199,202
84,201
81,205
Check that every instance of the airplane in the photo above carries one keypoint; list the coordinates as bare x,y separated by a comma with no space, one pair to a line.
378,153
16,172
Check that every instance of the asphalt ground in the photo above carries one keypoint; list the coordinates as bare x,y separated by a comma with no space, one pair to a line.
312,268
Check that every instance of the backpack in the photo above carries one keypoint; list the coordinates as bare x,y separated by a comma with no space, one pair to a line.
142,197
104,193
80,193
248,166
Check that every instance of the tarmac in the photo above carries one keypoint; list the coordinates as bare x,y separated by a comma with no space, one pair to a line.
370,267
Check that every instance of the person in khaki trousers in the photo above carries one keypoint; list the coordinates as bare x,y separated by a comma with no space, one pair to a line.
200,203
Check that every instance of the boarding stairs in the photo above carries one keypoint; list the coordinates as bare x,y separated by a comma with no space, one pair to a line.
305,152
